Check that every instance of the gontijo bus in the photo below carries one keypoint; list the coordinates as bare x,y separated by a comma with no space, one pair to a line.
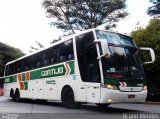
94,66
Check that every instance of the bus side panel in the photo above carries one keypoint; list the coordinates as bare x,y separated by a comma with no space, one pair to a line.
8,87
81,95
38,88
29,91
64,81
50,88
6,90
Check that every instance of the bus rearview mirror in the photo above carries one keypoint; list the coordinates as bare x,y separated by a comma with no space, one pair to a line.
152,54
104,50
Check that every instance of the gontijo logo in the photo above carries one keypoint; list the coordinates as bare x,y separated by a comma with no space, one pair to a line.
63,69
52,72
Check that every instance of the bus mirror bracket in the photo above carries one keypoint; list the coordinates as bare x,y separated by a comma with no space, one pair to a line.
104,48
151,53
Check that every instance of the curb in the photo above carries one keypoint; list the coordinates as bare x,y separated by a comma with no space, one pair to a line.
148,102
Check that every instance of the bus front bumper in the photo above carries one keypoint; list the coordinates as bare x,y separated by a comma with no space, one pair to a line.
116,96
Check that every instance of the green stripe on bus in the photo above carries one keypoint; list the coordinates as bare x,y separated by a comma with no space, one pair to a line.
129,83
15,78
72,67
23,77
35,74
52,71
25,85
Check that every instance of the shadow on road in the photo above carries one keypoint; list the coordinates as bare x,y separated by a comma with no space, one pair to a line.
92,107
108,109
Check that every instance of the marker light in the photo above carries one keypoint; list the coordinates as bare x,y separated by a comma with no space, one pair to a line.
109,100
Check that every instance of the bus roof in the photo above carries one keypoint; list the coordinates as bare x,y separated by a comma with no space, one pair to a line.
58,42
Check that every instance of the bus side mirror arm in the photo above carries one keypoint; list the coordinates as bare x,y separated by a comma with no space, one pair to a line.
98,58
152,54
104,48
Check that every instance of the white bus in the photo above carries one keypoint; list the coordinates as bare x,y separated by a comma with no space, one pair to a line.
94,66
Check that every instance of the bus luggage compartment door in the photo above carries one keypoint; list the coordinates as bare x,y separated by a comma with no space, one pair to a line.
38,89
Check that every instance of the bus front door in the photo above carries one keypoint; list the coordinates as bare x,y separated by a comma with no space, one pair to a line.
93,83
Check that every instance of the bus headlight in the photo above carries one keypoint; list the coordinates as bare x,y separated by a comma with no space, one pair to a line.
109,86
144,87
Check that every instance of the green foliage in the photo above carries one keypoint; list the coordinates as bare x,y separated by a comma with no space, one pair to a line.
150,37
40,45
8,53
71,15
155,9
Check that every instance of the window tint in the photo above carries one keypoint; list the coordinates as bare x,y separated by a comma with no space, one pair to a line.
7,70
66,51
87,58
115,38
61,53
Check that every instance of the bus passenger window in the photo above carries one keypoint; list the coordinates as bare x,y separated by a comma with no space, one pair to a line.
52,60
26,68
66,51
62,58
19,69
31,67
70,57
7,70
46,62
38,64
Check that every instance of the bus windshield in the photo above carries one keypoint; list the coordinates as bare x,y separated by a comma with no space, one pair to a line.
124,62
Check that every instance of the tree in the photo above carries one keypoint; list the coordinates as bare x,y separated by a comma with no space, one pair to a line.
55,40
7,53
155,9
40,45
71,15
150,37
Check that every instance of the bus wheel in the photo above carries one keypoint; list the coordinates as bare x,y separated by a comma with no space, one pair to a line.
68,98
102,106
12,96
17,96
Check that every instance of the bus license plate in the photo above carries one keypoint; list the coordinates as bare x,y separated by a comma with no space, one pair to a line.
131,96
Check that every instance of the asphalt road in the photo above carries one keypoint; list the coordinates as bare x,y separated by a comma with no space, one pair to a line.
29,109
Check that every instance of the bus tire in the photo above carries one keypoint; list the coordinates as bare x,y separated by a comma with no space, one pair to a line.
102,106
17,96
67,98
12,95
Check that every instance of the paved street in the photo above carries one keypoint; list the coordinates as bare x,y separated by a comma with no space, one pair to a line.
29,109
